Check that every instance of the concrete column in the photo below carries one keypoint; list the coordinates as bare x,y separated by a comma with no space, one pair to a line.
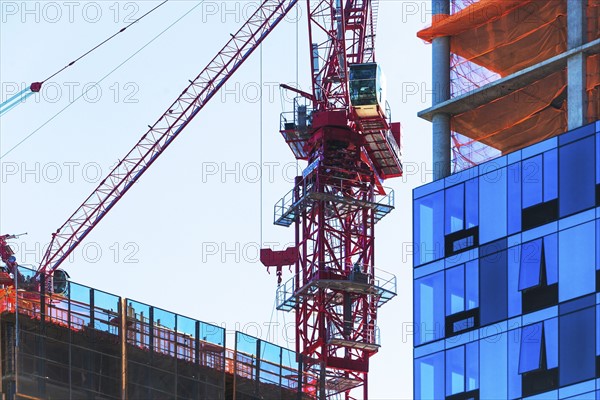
576,64
441,92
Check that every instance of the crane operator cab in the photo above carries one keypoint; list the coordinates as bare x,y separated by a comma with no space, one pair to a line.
367,90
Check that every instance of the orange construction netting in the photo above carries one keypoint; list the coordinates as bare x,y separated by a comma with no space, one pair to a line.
495,38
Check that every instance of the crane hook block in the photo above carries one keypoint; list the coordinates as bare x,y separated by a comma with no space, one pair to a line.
36,87
278,259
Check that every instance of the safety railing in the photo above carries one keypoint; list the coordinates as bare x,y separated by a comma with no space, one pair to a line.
335,188
155,339
383,283
370,337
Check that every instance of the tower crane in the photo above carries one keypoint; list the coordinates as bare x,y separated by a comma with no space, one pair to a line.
343,129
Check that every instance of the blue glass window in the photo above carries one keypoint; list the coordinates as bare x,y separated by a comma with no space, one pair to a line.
462,369
494,367
455,370
531,259
539,346
455,209
531,348
455,290
577,342
429,377
514,198
534,255
462,206
577,180
493,293
514,294
429,228
539,177
598,330
472,203
550,175
577,261
532,181
598,243
514,377
462,289
598,159
429,308
492,203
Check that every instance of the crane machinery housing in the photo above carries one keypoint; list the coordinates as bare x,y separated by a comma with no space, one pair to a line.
343,129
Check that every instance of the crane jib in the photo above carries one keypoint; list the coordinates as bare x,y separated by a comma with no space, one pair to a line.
158,138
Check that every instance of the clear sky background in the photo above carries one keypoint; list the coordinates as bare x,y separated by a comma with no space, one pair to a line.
186,237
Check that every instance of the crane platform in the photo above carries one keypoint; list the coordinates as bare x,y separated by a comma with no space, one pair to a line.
292,204
382,284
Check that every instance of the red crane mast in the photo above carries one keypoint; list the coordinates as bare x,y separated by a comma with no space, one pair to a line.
345,133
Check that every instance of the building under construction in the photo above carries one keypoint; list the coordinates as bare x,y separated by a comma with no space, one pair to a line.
90,344
507,236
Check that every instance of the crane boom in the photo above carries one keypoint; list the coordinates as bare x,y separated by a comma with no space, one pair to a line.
160,135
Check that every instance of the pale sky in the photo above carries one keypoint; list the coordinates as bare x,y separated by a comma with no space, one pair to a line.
186,237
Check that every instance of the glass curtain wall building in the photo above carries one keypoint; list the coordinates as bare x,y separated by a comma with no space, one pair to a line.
507,275
507,250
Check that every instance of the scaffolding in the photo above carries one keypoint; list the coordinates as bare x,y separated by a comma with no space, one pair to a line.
79,346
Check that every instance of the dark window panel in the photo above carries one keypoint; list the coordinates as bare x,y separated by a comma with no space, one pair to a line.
540,381
539,274
470,395
538,361
462,322
539,297
577,343
539,215
577,180
458,242
493,295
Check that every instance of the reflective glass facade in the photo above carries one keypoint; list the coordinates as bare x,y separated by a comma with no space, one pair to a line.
507,276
